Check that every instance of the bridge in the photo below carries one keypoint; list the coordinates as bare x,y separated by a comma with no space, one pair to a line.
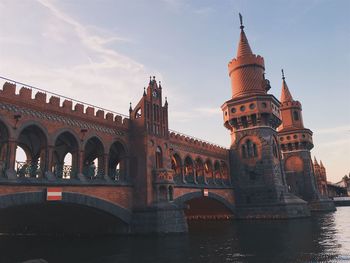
110,173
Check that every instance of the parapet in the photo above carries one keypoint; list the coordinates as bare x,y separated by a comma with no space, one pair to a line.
69,107
245,60
197,143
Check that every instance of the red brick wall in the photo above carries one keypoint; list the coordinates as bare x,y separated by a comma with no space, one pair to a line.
120,195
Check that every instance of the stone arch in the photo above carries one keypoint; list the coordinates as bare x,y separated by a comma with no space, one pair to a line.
225,173
33,139
57,133
176,165
18,199
189,169
94,158
182,200
217,172
208,171
199,170
117,161
65,143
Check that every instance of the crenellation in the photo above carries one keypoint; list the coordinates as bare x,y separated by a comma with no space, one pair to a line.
40,97
67,105
25,93
109,117
100,114
79,108
9,89
118,119
54,101
90,111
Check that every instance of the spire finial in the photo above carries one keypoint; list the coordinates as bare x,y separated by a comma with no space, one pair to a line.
130,108
144,91
241,21
283,75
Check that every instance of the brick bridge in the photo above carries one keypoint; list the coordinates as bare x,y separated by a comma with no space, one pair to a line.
128,173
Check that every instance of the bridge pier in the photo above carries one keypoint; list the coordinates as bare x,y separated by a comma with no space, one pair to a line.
159,218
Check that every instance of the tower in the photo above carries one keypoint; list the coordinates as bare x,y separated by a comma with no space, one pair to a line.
153,182
296,143
252,116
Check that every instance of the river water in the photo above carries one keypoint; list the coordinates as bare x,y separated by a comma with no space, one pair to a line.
321,238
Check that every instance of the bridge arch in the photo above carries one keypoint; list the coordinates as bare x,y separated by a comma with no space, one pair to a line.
37,198
214,199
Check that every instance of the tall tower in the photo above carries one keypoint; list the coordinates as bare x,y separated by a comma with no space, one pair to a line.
296,143
252,116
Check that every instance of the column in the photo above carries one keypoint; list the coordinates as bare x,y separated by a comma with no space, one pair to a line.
11,159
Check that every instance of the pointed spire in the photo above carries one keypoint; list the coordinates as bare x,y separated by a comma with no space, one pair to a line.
159,84
144,91
166,102
315,161
243,45
285,95
130,108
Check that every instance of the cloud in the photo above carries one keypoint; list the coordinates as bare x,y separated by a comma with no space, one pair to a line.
53,50
334,130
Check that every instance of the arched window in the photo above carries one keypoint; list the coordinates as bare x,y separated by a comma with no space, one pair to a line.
295,115
249,150
159,158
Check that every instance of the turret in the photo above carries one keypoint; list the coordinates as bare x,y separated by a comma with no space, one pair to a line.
292,133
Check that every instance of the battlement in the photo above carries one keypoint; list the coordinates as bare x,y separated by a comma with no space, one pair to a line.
289,104
195,142
60,105
246,60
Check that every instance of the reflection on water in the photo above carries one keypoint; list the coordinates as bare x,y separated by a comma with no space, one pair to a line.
322,238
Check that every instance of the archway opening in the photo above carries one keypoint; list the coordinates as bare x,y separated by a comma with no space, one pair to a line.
176,166
117,165
55,218
208,172
32,140
65,163
217,173
93,159
200,171
206,208
189,170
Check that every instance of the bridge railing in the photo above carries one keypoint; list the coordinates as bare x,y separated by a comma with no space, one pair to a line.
28,169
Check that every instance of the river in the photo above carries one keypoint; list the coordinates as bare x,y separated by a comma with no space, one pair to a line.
321,238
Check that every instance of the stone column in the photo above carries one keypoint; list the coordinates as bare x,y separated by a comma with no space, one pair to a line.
48,163
106,161
11,159
80,175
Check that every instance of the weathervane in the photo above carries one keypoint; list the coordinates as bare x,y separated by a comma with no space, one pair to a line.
283,75
241,20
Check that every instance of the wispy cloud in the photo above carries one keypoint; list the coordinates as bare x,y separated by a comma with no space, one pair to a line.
56,51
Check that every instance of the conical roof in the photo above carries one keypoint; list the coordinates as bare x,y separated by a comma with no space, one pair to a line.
243,46
285,94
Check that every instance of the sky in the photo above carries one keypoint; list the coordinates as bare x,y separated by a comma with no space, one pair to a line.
103,52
